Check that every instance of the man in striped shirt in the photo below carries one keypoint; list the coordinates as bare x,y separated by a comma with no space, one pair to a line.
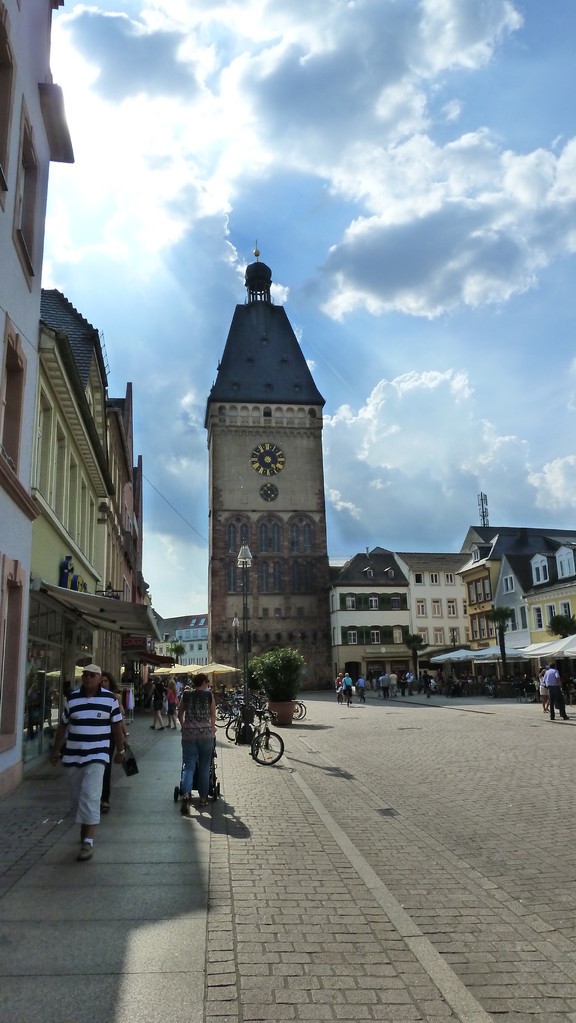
90,714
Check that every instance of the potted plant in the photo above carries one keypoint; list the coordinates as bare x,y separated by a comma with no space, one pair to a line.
278,673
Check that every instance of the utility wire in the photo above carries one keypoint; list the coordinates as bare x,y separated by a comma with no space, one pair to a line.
160,494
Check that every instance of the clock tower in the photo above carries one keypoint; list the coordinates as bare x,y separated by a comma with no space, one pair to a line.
264,423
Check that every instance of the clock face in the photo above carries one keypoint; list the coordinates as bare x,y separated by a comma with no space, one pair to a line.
267,459
268,492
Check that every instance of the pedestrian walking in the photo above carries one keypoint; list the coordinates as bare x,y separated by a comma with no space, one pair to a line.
393,683
553,683
384,683
543,691
91,713
347,689
110,683
158,698
197,716
361,688
172,704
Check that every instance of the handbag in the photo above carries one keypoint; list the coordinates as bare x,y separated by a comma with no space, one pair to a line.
129,762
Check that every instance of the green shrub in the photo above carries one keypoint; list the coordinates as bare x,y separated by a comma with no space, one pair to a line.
278,673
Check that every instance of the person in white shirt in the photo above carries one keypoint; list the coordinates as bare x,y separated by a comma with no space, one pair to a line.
553,683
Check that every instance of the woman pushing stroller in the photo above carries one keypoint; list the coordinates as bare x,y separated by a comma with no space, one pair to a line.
197,716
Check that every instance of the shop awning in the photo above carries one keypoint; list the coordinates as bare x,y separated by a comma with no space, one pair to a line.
104,612
147,657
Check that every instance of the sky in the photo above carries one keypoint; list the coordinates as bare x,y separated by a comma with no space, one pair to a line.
407,168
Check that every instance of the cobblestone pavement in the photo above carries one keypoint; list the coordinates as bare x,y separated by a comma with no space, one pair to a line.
408,860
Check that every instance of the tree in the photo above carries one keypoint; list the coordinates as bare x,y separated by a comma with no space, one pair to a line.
414,642
501,616
177,649
562,625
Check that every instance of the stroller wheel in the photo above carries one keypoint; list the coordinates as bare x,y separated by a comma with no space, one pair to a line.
176,793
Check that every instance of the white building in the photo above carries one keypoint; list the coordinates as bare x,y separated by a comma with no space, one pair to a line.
33,132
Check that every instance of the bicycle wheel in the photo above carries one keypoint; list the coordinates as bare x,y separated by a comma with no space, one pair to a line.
232,728
299,711
267,748
222,716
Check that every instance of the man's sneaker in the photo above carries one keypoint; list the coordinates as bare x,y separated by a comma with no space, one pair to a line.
86,851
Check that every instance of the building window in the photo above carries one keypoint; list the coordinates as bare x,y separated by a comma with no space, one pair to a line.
375,636
352,637
550,612
369,573
434,579
308,537
420,608
436,608
471,593
449,578
264,580
508,584
565,609
537,616
523,618
397,635
350,602
423,633
373,603
231,539
438,637
395,602
512,624
12,385
25,212
231,577
451,608
455,636
487,590
419,578
6,83
277,577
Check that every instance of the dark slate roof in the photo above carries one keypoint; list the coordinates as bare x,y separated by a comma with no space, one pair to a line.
172,625
424,562
518,539
381,561
262,360
59,314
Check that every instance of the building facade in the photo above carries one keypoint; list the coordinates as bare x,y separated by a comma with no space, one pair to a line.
437,600
84,555
191,631
33,132
370,615
266,487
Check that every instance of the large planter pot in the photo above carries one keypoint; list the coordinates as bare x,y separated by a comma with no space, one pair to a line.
283,712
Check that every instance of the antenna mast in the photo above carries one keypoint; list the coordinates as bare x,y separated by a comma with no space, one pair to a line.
483,509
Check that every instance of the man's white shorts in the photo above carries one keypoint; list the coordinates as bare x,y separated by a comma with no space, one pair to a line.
85,788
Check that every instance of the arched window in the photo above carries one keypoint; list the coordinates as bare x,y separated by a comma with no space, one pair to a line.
232,542
231,576
308,536
308,576
276,538
264,577
264,538
244,534
294,538
277,577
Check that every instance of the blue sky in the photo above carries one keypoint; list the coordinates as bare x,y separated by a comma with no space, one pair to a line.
408,168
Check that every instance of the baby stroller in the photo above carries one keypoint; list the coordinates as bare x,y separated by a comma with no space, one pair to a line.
213,783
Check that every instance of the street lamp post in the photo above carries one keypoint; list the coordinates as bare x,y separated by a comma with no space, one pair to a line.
235,626
244,563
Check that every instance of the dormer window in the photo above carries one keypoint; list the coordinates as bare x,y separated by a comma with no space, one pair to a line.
476,555
539,569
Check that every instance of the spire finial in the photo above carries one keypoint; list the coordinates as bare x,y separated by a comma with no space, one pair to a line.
256,250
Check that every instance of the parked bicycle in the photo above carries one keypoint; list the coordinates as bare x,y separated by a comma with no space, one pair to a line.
300,710
267,747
